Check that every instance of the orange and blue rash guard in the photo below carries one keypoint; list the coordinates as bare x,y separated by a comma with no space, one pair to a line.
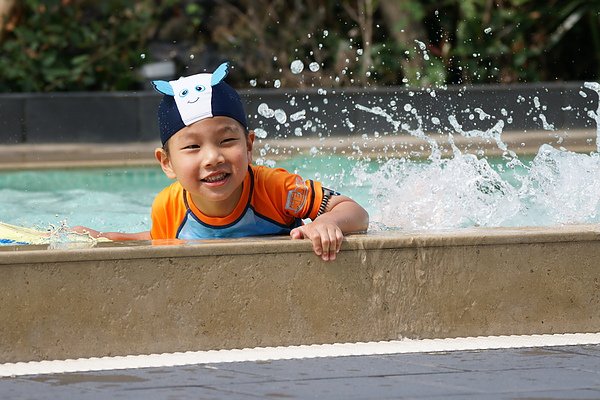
273,202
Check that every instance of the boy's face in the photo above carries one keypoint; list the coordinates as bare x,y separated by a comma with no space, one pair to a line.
210,159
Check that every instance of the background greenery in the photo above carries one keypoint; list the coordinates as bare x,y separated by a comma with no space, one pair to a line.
75,45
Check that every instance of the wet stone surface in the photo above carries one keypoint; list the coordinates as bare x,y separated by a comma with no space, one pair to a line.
570,372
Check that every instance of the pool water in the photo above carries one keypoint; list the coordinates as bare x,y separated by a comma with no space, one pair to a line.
463,190
106,199
117,199
555,187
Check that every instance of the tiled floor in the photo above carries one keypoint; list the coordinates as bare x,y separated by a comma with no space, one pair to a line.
569,372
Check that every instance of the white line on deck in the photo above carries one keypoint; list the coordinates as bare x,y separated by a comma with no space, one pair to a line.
296,352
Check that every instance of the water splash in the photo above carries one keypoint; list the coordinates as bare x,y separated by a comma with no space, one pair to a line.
595,115
296,67
450,188
563,186
449,193
495,132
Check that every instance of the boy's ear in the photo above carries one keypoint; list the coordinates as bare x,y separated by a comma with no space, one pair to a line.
165,163
250,145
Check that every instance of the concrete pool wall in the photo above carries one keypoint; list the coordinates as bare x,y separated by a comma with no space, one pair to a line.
139,298
118,299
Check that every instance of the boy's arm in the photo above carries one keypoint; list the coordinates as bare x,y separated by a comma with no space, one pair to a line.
327,231
114,236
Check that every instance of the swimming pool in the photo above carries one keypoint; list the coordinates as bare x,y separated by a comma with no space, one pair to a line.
109,198
438,189
147,298
115,198
554,187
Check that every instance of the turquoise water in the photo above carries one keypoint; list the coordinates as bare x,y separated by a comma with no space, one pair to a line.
113,198
554,187
106,199
120,198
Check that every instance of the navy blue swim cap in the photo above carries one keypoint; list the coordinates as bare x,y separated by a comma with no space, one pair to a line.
193,98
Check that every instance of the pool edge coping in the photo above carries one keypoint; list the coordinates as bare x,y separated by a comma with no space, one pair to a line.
370,241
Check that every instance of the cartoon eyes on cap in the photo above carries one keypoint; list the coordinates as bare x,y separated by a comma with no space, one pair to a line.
199,88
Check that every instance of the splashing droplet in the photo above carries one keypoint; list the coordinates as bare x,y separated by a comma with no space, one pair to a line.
298,115
297,66
260,133
280,116
265,111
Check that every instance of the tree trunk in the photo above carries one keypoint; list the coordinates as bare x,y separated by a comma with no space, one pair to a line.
405,29
5,9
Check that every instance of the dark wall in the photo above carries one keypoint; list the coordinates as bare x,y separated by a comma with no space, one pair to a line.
131,117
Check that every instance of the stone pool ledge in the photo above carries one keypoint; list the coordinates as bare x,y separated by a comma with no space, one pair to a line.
96,155
143,297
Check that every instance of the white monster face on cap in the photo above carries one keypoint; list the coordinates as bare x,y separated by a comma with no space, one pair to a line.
193,97
193,94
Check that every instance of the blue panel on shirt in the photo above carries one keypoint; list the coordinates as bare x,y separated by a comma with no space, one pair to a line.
249,224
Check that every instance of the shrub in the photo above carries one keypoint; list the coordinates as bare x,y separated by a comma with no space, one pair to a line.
61,45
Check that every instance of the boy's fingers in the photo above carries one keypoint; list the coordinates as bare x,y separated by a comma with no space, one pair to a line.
297,233
326,241
82,230
300,233
340,238
331,242
325,244
318,245
336,241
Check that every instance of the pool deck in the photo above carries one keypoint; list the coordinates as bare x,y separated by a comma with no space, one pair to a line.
548,372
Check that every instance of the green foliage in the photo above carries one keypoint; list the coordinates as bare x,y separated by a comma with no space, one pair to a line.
466,41
78,45
59,45
522,40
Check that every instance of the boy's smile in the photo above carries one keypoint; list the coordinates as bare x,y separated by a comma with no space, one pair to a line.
210,159
216,178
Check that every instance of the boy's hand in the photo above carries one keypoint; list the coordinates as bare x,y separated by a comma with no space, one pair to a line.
115,236
327,230
83,230
326,238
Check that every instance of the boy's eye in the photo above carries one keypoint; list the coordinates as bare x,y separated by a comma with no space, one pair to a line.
229,140
192,146
183,93
200,88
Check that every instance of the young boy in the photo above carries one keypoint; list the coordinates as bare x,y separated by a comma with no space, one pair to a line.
207,149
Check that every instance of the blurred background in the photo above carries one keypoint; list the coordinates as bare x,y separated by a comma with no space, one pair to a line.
119,45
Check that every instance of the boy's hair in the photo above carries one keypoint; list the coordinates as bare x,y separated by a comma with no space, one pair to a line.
193,98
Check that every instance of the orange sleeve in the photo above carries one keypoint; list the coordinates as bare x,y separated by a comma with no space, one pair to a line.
168,211
289,194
